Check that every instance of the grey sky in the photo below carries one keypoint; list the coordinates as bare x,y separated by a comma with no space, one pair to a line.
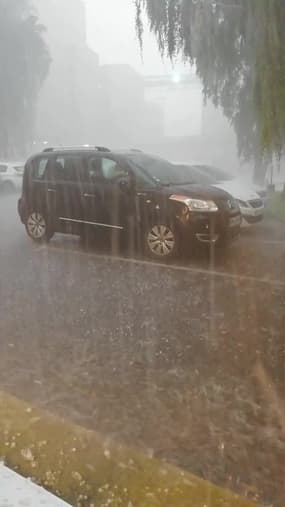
111,33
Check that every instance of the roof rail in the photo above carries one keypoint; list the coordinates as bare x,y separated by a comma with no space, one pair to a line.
136,150
70,148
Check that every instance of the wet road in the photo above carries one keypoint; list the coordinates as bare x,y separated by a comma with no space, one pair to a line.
186,360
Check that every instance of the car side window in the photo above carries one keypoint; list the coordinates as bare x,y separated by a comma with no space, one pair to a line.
94,172
3,168
111,170
40,167
68,168
143,181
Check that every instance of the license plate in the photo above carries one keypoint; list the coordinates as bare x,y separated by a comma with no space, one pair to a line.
235,221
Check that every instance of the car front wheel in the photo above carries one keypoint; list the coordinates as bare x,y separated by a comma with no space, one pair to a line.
37,227
161,242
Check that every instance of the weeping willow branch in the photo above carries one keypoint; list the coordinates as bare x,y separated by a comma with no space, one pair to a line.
238,49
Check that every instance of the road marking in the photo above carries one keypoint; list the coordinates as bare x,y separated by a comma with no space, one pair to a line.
192,270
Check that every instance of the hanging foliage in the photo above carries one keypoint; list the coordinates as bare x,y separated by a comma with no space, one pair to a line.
238,47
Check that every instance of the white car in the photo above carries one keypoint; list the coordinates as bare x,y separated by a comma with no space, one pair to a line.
251,202
11,176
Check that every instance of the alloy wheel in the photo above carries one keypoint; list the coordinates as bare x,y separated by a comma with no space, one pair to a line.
161,241
36,226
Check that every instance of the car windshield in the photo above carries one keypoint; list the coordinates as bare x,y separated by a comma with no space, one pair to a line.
196,175
215,175
19,168
161,171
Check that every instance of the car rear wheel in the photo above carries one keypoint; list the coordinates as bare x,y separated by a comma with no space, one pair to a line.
37,227
161,241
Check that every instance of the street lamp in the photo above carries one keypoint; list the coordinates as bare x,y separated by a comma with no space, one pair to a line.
176,78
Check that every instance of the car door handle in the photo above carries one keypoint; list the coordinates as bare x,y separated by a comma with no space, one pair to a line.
51,190
89,195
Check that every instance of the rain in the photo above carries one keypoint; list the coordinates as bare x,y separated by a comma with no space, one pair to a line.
142,252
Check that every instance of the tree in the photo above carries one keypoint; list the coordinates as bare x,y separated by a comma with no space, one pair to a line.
238,49
24,63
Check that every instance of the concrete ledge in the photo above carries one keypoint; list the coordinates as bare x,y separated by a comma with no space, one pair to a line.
85,469
276,206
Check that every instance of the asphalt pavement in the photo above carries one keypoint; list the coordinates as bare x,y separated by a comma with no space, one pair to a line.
183,360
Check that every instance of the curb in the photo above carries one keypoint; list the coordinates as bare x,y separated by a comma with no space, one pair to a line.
86,469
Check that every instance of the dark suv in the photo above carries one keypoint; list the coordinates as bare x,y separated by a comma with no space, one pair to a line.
129,192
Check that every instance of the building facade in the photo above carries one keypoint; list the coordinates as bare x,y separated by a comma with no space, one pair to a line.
69,100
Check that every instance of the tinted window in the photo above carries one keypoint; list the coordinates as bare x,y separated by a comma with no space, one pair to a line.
3,168
94,171
111,170
68,168
159,170
215,174
195,175
40,166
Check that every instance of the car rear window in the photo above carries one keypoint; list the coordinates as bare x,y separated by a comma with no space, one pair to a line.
19,169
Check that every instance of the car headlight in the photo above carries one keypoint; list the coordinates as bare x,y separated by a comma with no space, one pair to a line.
243,204
196,204
262,194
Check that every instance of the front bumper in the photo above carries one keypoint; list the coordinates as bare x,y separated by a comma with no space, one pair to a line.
212,228
252,220
252,215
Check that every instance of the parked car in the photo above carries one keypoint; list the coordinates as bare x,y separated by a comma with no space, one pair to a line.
251,203
130,192
11,176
